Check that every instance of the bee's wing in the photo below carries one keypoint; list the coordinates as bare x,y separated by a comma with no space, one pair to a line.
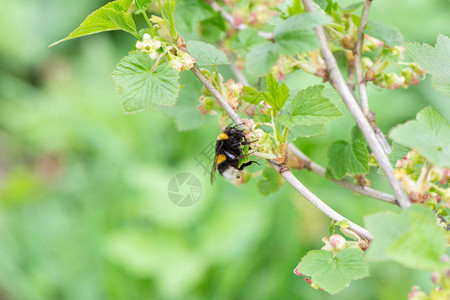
214,168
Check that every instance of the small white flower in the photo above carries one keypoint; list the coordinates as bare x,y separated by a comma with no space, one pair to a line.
149,45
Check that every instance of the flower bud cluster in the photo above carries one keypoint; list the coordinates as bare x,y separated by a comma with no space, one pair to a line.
410,73
263,142
311,62
160,48
424,182
230,90
336,242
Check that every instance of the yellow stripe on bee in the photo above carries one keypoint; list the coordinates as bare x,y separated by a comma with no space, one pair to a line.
221,158
222,136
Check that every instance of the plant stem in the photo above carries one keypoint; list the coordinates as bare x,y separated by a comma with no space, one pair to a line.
286,174
318,169
150,25
338,82
292,180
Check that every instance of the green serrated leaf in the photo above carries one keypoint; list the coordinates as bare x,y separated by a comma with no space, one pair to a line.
334,273
261,58
429,134
140,87
206,54
251,95
345,158
306,131
389,34
271,182
141,5
186,107
295,8
245,39
412,238
112,16
277,94
310,107
435,61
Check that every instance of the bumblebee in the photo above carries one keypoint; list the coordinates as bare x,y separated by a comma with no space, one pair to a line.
228,153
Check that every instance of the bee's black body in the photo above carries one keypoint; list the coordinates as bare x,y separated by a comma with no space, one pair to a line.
228,153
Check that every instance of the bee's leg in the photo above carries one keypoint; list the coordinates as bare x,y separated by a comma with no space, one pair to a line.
248,142
244,165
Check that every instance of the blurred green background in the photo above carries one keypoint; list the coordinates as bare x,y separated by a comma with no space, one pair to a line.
85,212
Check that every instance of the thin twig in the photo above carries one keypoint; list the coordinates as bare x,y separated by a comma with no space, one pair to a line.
357,53
363,190
362,82
229,18
292,180
339,84
318,169
285,174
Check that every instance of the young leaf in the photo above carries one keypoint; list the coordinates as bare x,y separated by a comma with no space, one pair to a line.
412,238
344,158
140,87
142,5
251,95
389,34
309,107
276,94
334,273
112,16
271,182
206,54
429,134
261,58
435,61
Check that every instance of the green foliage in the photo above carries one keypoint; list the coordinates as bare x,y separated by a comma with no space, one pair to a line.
310,107
333,273
206,54
213,29
112,16
261,58
140,87
271,182
353,6
412,238
306,131
276,95
435,61
295,34
389,34
142,5
245,39
345,158
398,152
429,134
190,12
251,95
